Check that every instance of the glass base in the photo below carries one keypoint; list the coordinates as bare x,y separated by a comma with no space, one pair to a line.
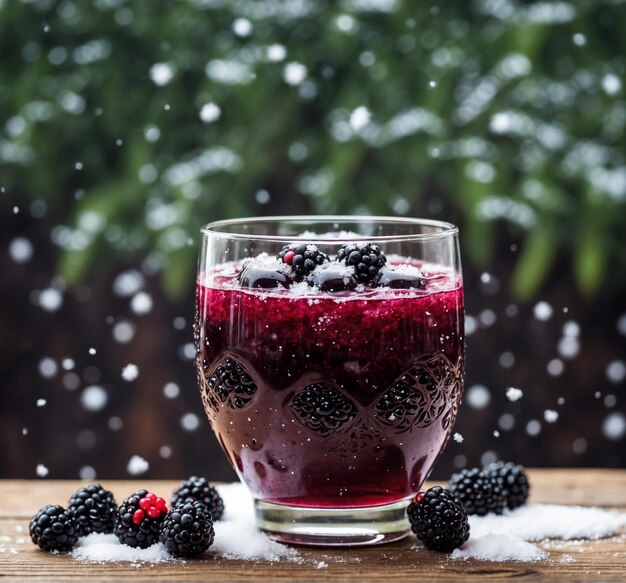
372,525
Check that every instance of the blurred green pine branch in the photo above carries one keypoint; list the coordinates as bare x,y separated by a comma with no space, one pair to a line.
134,123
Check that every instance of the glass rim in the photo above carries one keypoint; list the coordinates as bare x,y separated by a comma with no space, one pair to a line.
214,229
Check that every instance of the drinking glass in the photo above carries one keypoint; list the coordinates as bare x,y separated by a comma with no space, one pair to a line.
334,391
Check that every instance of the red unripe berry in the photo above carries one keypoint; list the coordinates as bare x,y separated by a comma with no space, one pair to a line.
419,497
288,257
153,512
138,516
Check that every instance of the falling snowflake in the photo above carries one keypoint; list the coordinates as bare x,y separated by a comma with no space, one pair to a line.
513,394
123,331
210,112
478,397
94,398
543,311
137,465
276,53
550,416
171,390
130,372
359,118
242,27
190,422
294,73
162,73
50,299
21,250
128,283
141,303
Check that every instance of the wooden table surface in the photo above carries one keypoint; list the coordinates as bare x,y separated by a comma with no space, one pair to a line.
404,560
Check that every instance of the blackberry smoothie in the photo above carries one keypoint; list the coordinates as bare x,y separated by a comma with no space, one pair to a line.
330,382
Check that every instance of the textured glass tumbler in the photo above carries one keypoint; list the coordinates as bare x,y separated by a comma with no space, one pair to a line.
332,385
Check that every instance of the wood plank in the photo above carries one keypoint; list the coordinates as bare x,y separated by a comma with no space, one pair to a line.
402,561
589,487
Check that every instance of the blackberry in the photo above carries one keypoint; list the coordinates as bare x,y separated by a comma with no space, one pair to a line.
255,276
322,408
187,529
439,520
332,280
53,529
480,492
139,519
400,279
231,384
196,488
302,258
94,509
366,258
514,482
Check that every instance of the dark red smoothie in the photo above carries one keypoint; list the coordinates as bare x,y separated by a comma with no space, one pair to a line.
331,398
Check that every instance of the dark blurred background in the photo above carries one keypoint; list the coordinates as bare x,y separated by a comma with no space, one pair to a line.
124,126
